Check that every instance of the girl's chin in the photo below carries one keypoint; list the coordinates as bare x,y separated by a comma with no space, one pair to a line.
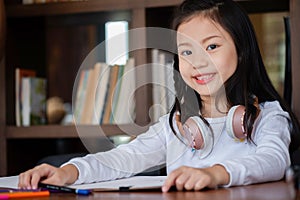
210,93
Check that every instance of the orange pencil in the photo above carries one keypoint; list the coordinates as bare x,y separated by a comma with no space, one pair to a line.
24,194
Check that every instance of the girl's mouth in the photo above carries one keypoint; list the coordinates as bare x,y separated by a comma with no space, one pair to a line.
204,78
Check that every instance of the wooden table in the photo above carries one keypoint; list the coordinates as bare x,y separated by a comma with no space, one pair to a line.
273,191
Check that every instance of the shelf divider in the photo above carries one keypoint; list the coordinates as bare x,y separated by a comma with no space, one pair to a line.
71,131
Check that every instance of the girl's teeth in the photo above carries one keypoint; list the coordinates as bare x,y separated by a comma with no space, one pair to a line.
204,77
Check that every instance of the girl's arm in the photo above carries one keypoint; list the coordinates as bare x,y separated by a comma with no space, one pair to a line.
271,156
146,151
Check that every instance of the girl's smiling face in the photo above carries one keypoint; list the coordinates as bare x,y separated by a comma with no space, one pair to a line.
207,55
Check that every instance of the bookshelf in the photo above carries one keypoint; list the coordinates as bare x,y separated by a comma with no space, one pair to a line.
43,19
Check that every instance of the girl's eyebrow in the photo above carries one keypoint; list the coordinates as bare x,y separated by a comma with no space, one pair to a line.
210,37
203,41
184,44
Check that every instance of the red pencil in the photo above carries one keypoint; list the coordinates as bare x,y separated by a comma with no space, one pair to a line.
9,195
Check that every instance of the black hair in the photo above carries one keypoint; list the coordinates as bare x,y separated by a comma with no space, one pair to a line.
250,76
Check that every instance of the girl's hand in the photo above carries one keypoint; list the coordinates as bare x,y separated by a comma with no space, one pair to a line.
189,178
47,174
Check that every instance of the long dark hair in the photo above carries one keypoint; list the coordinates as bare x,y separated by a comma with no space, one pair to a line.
250,76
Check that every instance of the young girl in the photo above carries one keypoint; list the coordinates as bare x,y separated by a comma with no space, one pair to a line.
237,131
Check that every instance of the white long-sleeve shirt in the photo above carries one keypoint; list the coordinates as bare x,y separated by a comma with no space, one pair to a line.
266,159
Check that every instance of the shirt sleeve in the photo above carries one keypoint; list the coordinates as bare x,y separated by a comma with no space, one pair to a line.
146,151
271,157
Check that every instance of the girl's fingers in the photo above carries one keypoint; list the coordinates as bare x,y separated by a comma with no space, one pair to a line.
30,178
35,178
189,184
197,181
24,180
38,173
181,180
168,184
199,185
187,178
170,181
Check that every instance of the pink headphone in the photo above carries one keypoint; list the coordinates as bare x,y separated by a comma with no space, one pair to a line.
200,137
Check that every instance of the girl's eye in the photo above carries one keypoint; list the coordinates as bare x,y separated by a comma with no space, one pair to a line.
211,47
186,53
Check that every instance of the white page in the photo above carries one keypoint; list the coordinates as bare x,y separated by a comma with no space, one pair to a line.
135,182
9,182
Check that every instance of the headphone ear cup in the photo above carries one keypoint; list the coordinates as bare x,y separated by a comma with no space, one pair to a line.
193,134
235,122
198,135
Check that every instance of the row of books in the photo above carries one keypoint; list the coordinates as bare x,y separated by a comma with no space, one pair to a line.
30,92
105,94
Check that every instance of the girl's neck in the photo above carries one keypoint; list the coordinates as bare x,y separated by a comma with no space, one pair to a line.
212,108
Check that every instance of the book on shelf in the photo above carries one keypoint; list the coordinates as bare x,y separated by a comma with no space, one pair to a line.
163,91
81,94
102,92
124,101
91,85
33,101
114,70
19,74
116,93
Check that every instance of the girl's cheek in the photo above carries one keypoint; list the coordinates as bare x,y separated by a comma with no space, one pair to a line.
183,66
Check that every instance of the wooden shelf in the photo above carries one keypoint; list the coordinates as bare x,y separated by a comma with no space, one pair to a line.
83,7
88,6
71,131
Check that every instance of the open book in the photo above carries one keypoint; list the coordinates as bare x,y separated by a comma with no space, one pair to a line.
126,184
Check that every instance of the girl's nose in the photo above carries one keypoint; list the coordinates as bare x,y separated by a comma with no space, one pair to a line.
200,59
